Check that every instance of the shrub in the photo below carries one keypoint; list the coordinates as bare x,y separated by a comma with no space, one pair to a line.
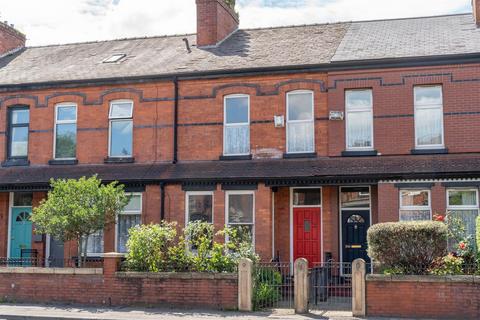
448,265
148,246
478,236
407,247
266,289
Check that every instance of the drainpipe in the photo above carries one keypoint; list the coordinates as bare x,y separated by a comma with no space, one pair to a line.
175,121
162,201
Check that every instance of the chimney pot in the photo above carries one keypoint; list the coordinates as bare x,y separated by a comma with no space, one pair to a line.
216,20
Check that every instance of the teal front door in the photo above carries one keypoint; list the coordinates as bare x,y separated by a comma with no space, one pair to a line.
21,231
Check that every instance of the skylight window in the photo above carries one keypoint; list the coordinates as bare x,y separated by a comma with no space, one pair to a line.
115,58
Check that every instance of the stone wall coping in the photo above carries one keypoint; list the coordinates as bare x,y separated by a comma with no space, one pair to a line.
178,275
38,270
113,255
423,278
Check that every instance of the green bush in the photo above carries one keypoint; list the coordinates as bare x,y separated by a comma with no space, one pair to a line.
478,235
407,247
266,290
148,246
448,265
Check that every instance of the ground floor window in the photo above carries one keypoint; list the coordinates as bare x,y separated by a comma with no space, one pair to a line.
95,244
130,217
415,205
240,207
463,205
199,206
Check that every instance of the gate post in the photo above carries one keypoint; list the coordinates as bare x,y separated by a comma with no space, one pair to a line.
301,285
358,288
245,285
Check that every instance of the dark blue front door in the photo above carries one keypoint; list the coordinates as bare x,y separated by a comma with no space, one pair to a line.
355,224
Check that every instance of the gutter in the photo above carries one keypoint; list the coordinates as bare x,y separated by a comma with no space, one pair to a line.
175,121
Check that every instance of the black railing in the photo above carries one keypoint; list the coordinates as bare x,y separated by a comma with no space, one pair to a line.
272,286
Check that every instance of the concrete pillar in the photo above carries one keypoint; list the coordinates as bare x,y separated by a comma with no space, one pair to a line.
358,288
245,285
301,285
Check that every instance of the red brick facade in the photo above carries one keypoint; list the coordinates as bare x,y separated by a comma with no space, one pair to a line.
10,39
215,21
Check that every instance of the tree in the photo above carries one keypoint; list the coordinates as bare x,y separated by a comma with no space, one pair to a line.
76,209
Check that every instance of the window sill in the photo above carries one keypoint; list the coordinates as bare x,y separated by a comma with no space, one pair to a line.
16,162
429,151
55,162
119,160
360,153
299,155
233,158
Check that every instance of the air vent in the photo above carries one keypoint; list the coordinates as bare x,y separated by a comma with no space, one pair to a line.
115,58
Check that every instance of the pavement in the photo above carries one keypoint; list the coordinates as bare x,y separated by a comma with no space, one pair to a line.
50,312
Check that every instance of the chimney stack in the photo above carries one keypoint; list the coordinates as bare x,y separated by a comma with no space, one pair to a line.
476,11
216,20
10,38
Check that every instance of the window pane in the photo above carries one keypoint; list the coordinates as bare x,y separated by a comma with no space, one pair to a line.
121,138
428,95
414,215
125,222
300,137
244,233
66,141
20,116
462,197
134,204
300,106
67,113
428,124
414,198
200,208
22,199
237,139
306,197
95,243
121,110
236,110
19,142
358,99
468,218
355,198
359,129
240,208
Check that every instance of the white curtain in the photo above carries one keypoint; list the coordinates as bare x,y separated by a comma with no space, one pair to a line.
125,222
429,126
300,136
414,215
359,130
95,243
237,139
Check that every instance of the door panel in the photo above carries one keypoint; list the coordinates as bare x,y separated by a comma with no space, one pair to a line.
56,258
307,234
21,231
354,234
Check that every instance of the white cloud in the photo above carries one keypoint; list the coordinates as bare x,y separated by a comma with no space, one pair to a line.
62,21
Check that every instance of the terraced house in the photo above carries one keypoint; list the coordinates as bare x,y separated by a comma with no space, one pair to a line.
307,135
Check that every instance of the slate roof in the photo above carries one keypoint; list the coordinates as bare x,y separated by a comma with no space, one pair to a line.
326,169
412,37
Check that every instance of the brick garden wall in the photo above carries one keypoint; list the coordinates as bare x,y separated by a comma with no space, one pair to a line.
455,297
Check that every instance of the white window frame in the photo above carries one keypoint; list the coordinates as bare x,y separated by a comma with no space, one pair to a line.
57,122
462,207
128,212
226,125
425,107
359,110
312,121
227,205
118,119
198,193
414,208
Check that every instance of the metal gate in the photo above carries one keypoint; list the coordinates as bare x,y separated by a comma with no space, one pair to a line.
272,286
330,286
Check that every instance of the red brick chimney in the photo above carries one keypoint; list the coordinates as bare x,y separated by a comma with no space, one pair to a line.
476,11
216,20
10,38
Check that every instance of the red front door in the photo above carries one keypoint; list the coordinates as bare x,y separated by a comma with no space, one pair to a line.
307,234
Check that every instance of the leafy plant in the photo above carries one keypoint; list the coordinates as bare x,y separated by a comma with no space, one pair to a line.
448,265
266,290
76,209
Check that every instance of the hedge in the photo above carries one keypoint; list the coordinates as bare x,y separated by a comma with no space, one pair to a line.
407,247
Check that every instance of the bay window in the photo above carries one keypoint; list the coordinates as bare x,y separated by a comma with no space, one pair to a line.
236,134
65,143
300,122
359,119
130,217
428,117
415,205
121,129
462,204
240,215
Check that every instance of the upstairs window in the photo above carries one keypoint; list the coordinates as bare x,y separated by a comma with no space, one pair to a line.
65,143
359,119
19,120
415,205
428,117
130,217
462,204
300,122
121,129
236,134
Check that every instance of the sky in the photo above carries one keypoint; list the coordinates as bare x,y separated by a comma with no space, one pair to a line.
65,21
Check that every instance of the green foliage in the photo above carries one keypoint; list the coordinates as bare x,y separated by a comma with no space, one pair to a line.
230,3
478,236
407,247
448,265
148,246
266,290
75,209
65,145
